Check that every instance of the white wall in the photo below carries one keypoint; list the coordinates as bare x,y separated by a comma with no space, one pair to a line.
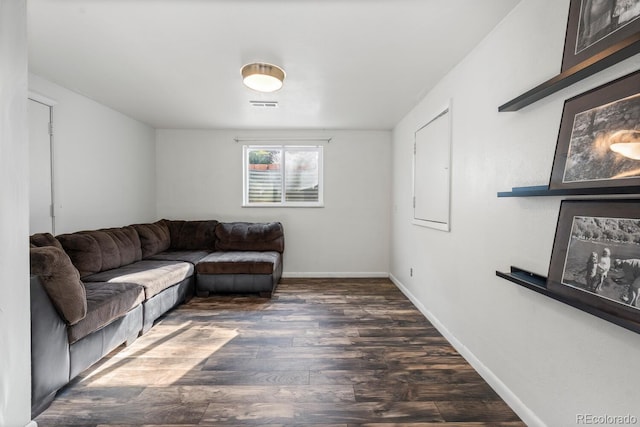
200,177
104,163
15,366
547,359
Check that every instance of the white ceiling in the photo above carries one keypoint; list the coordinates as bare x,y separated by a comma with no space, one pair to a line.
351,64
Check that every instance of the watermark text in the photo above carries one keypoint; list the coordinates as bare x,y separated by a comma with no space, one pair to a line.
591,419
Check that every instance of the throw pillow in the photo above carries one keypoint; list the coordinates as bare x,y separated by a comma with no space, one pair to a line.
61,281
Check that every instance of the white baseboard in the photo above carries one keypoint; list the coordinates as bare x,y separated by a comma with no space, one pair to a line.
337,275
526,414
32,424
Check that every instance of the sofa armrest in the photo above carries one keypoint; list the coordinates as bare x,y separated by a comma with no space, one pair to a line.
49,349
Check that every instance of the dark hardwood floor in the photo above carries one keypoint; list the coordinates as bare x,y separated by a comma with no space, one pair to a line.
339,352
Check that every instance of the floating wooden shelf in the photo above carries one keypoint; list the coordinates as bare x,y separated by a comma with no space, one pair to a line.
622,50
538,283
525,278
543,190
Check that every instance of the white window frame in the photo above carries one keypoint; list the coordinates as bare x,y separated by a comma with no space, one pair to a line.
283,203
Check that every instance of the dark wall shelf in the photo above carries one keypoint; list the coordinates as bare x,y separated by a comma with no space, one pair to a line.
622,50
596,63
538,283
543,190
529,280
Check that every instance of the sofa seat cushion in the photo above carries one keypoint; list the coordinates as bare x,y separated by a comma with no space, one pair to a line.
245,262
187,256
105,303
154,276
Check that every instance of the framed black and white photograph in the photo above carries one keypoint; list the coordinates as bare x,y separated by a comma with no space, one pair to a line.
599,138
594,26
596,258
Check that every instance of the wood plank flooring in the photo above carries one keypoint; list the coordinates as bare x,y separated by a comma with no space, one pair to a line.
338,352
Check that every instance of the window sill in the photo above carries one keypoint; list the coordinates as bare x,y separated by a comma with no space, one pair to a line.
282,205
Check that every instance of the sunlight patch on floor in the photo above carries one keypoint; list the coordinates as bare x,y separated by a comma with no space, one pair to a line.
160,357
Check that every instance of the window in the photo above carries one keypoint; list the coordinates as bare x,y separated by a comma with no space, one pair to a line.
282,176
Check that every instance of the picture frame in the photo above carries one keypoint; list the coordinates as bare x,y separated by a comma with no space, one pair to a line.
598,142
599,28
595,261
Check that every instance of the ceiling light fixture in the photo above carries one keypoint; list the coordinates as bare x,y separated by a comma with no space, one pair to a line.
262,77
626,143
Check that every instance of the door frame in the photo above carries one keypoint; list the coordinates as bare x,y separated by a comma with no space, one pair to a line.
48,102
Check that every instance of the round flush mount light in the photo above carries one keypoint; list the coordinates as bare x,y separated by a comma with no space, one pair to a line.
626,143
630,150
262,77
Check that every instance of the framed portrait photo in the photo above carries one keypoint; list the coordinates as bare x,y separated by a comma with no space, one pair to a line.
595,261
599,138
596,26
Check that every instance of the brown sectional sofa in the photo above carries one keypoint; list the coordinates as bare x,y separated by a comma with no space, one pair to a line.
92,291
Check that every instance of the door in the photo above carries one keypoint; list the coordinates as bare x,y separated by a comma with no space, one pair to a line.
40,169
431,176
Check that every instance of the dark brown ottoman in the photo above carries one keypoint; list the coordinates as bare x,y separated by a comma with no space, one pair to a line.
239,272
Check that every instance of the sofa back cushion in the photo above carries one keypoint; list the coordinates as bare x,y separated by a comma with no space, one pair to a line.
154,238
249,236
192,235
61,281
40,240
128,243
99,250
